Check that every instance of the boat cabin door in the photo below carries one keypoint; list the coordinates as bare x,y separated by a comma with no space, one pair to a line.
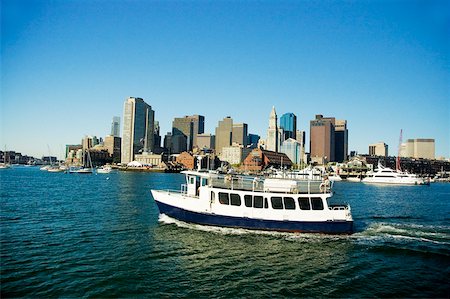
193,182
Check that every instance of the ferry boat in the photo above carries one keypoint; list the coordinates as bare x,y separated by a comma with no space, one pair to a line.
385,175
271,204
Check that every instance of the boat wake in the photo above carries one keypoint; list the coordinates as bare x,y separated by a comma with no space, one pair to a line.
380,235
414,237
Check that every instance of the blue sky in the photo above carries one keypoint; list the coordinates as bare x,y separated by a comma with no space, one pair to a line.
68,66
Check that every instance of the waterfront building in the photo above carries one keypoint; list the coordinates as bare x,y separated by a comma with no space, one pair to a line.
293,149
301,138
273,138
179,143
99,156
288,122
72,147
259,159
186,159
157,149
340,141
189,126
205,141
88,142
240,134
234,154
378,149
421,148
224,132
168,142
113,146
115,126
252,140
138,126
150,159
322,146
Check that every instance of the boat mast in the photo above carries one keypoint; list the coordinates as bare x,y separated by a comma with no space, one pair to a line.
397,164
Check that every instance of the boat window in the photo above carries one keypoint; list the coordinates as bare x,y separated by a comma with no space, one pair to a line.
235,199
289,203
303,203
266,204
277,203
213,196
248,201
204,181
224,198
317,203
258,202
191,180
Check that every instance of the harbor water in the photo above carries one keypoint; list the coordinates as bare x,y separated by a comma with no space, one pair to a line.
71,235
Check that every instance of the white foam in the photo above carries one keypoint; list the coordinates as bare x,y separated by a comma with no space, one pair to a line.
296,237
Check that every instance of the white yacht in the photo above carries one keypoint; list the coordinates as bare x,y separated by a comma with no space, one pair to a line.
385,175
104,169
273,204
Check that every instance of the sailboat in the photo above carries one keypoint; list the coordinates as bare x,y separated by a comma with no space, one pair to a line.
83,170
5,165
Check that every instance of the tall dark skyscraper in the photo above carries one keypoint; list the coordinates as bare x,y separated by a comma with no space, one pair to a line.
288,122
240,134
340,140
190,127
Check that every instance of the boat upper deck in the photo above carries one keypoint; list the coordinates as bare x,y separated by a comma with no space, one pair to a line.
261,184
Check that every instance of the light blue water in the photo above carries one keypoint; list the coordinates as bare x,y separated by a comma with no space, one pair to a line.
101,236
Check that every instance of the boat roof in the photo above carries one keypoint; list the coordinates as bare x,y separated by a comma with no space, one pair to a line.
203,174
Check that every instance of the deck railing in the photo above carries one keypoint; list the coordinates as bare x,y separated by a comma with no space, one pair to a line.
258,184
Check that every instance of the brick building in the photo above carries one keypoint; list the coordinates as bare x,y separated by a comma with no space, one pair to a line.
259,159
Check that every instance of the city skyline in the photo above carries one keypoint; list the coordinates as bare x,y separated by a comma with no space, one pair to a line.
67,67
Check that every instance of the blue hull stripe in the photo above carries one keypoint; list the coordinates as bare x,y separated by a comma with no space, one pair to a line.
327,227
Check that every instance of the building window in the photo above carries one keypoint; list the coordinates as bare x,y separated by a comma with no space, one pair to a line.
258,202
317,203
248,201
224,198
277,203
289,203
303,203
235,199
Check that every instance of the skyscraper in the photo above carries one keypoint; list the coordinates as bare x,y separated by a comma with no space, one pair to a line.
273,137
224,133
322,139
253,140
288,122
190,127
341,141
115,126
138,127
240,134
